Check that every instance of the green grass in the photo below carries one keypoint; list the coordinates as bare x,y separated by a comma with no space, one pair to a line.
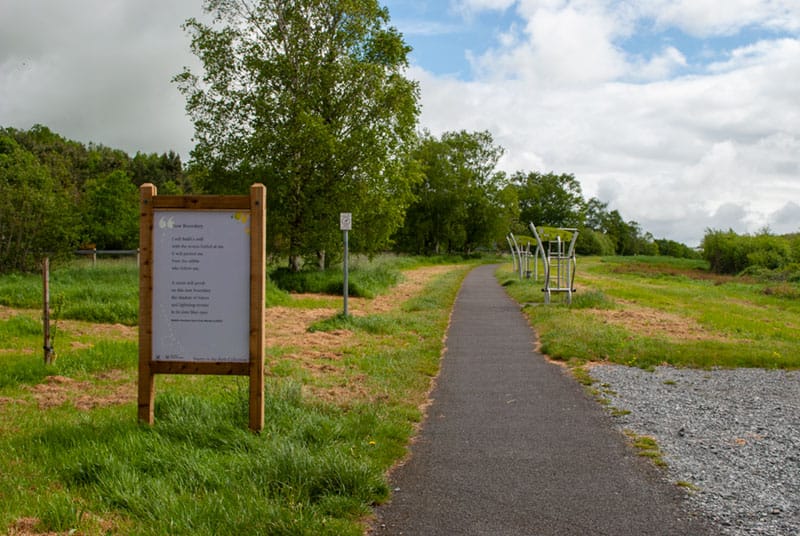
106,293
374,324
362,282
317,467
367,277
647,447
109,291
735,322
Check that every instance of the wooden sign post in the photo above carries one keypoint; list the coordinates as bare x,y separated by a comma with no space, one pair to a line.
201,290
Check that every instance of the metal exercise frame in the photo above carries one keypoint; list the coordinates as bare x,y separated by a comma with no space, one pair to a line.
511,242
559,263
521,258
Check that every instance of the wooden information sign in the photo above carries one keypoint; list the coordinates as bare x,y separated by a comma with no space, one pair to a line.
201,290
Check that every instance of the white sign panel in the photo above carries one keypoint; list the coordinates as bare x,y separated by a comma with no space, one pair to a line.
201,285
345,221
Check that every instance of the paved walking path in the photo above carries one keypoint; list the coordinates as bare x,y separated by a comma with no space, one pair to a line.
513,446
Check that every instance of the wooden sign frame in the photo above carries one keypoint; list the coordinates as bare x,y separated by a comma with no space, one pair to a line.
255,205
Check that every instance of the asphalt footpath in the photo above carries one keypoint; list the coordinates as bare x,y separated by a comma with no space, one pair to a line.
514,446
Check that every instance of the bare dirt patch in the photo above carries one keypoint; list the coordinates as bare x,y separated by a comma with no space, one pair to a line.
116,332
84,395
288,326
413,283
26,526
7,312
318,352
657,324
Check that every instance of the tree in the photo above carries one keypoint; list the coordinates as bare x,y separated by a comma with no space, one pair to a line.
550,199
37,215
110,211
462,202
309,97
165,172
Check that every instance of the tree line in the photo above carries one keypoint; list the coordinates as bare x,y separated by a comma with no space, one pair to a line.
310,98
57,195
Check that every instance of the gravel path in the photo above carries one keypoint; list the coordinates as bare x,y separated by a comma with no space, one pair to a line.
733,436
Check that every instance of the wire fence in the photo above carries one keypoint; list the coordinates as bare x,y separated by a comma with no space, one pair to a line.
94,253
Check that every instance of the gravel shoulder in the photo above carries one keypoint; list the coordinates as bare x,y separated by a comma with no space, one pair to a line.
731,436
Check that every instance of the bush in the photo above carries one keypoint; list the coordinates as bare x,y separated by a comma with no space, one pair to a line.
592,242
730,253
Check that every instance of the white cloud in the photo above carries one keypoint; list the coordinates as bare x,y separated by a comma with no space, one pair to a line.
711,17
719,148
471,8
429,28
786,219
97,71
661,66
556,48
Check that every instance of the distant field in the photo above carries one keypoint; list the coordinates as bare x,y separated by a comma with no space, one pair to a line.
646,311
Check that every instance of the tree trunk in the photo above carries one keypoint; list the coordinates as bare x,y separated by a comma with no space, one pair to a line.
321,259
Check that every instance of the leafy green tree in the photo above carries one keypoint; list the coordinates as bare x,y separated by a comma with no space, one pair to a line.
591,242
110,212
164,171
37,215
550,199
67,161
309,97
462,202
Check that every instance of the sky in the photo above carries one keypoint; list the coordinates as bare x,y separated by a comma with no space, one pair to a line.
684,115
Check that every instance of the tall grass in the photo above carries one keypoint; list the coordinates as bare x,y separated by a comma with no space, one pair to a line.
363,282
199,471
106,293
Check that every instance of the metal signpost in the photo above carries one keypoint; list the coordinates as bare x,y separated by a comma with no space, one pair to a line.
345,224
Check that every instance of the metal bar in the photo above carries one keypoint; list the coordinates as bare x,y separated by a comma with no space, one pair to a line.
346,290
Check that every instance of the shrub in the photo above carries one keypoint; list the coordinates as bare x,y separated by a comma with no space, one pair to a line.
592,242
730,253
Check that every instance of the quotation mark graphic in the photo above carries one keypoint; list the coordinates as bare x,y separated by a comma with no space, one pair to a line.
165,223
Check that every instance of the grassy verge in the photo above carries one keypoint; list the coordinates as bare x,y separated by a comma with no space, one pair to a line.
75,460
644,312
107,293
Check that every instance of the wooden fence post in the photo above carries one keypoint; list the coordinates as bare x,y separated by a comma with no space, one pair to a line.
48,350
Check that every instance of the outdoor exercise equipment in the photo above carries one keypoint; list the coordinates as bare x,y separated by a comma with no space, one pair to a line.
558,255
521,257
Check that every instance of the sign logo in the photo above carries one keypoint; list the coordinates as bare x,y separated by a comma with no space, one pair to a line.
345,221
165,223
